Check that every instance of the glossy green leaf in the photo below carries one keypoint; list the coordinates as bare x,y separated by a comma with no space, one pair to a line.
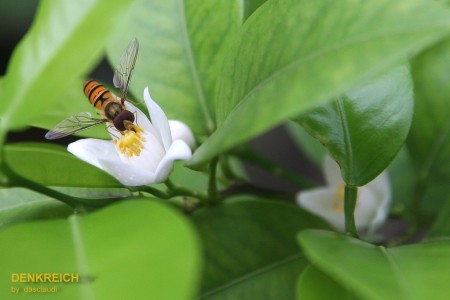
429,139
411,272
314,284
132,250
65,40
52,165
182,44
365,129
293,55
250,249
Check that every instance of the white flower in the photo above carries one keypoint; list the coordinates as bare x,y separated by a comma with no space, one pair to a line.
143,156
372,205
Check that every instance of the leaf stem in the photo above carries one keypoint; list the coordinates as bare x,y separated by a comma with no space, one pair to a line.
350,199
213,195
247,154
2,141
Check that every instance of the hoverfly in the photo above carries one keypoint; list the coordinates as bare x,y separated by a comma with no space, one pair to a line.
111,108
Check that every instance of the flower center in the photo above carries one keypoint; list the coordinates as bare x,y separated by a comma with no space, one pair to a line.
131,142
339,199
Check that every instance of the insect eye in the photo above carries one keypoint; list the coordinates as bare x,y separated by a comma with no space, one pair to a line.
124,115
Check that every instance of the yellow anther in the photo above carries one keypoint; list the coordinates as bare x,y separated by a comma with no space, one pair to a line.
131,142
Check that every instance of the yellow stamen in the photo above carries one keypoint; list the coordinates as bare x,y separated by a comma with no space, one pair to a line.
131,142
339,199
338,203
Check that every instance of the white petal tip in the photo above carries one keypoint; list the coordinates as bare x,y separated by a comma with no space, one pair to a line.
181,131
147,93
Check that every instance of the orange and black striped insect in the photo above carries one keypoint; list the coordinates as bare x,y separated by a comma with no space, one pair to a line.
111,108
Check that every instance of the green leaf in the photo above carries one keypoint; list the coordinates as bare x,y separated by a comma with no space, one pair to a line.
307,144
365,129
74,102
411,272
283,66
314,284
2,89
52,165
182,44
429,139
132,250
183,176
441,227
402,178
250,6
65,40
18,205
250,249
275,282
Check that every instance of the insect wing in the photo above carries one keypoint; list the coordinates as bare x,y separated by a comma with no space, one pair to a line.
73,125
124,70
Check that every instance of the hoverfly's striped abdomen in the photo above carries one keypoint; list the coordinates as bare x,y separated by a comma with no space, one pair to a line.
96,93
111,109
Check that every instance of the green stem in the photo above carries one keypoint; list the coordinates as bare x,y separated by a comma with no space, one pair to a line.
2,142
177,190
249,189
251,156
227,171
151,190
213,195
173,190
350,198
419,192
16,180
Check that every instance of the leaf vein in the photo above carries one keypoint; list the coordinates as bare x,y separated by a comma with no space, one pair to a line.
193,66
397,274
80,256
250,275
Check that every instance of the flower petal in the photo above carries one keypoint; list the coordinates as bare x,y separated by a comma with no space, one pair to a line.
141,118
332,171
181,131
125,173
366,208
104,156
90,150
319,201
158,119
179,150
380,186
150,155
